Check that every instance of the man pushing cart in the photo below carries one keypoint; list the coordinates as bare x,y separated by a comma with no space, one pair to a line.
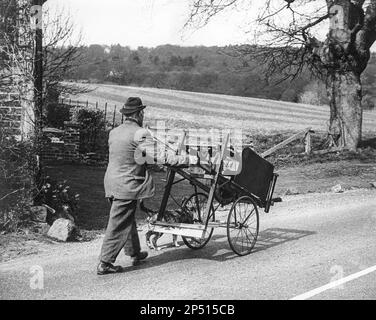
225,176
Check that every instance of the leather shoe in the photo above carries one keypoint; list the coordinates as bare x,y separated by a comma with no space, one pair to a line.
136,260
107,268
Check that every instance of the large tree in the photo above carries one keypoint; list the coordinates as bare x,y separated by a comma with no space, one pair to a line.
290,41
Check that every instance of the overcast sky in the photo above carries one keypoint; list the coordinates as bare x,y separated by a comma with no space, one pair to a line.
151,23
148,23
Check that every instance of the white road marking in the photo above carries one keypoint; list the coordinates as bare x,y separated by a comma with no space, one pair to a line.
333,284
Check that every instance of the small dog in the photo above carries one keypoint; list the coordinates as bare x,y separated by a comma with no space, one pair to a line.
175,216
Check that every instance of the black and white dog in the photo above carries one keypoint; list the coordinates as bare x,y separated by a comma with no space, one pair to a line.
175,216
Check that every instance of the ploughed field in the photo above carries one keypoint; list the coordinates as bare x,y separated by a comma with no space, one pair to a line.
183,109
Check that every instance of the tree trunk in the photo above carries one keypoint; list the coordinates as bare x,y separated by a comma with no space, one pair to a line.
345,96
334,131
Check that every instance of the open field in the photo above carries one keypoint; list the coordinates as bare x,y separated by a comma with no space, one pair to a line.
182,109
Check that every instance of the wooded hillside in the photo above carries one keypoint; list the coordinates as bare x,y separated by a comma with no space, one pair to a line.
202,69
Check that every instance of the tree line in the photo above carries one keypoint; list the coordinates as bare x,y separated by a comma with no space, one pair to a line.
201,69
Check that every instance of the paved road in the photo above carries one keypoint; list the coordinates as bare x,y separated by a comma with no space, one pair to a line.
305,243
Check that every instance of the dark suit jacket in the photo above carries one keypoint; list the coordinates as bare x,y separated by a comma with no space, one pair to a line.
125,178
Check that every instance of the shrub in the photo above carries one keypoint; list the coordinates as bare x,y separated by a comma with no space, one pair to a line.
155,79
92,124
181,81
57,113
59,197
314,94
18,165
310,97
289,95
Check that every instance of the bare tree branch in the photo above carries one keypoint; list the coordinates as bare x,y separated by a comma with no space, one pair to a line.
203,10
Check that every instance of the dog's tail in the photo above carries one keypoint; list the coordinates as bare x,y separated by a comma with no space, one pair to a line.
147,210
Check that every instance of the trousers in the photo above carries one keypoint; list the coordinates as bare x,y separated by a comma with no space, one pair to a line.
121,232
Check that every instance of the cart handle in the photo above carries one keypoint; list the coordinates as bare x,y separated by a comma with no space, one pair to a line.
159,140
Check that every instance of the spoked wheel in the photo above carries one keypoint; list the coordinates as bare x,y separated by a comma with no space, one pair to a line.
243,225
196,205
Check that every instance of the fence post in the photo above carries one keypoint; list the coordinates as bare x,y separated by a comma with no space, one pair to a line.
307,139
105,112
87,103
113,120
122,118
96,105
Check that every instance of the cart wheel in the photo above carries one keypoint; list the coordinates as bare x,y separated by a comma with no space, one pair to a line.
196,204
243,225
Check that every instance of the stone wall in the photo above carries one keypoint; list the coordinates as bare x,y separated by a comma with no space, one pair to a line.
16,84
63,146
10,114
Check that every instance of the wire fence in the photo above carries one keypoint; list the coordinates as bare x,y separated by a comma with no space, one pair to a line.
110,111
